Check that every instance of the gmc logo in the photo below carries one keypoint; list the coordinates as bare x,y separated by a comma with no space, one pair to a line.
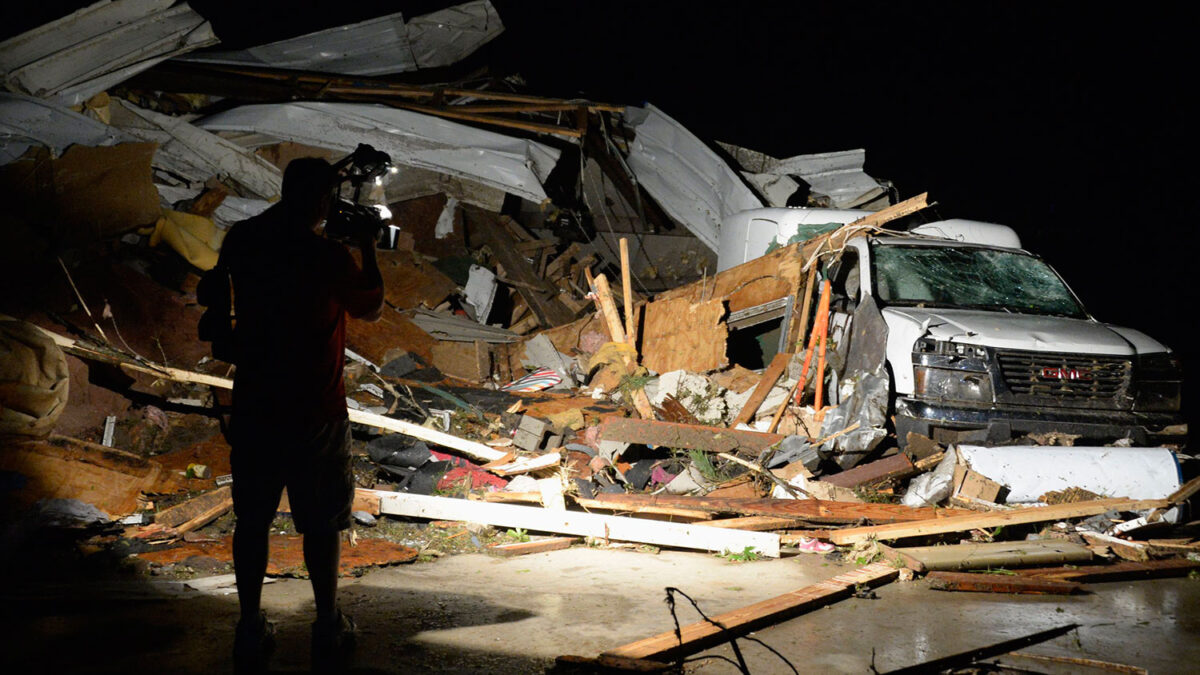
1066,374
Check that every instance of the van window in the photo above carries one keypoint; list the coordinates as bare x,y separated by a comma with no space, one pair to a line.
970,278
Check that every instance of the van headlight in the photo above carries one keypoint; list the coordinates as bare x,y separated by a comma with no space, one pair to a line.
1158,382
951,371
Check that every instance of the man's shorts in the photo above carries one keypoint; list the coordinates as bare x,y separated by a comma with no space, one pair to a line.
314,465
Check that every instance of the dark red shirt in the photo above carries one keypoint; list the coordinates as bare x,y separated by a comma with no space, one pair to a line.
292,290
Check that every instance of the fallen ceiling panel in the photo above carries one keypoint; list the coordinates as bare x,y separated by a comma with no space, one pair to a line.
692,184
514,165
82,54
26,121
195,154
379,46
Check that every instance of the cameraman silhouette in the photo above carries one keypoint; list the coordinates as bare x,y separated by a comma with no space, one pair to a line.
292,292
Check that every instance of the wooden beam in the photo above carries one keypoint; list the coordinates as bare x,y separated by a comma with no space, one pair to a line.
485,119
470,448
483,228
704,634
999,583
657,533
756,523
197,511
1153,569
539,546
769,377
801,509
689,436
985,555
896,466
975,521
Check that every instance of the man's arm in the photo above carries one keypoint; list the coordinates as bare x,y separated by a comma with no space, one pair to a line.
367,303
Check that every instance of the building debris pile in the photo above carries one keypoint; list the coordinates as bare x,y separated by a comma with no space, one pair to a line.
559,360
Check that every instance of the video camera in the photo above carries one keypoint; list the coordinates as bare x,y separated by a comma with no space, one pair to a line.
348,220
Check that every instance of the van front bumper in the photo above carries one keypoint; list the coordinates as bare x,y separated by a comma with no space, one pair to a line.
996,424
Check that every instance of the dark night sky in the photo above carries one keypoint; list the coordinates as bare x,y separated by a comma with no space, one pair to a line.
1069,122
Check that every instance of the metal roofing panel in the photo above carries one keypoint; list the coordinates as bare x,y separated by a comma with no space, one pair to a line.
692,184
377,46
515,165
26,121
82,54
838,175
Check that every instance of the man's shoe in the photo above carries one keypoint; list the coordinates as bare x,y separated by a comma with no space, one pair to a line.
253,643
333,644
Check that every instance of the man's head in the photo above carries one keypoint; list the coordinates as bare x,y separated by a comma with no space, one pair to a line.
308,184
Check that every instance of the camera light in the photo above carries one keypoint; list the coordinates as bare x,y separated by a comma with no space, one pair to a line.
384,212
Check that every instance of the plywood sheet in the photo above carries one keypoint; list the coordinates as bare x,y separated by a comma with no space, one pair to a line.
392,331
409,281
67,468
680,334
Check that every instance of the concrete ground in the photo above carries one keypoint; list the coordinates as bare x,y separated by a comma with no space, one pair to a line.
480,614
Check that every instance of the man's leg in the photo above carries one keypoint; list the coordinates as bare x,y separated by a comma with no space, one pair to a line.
322,551
250,541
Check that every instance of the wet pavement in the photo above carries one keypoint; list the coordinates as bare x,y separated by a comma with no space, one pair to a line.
480,614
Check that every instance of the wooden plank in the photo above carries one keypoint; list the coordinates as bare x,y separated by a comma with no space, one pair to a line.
1127,550
802,509
756,523
627,293
975,521
472,449
539,546
984,555
484,228
689,514
197,511
769,377
536,519
679,334
689,436
68,468
702,635
999,583
1153,569
898,465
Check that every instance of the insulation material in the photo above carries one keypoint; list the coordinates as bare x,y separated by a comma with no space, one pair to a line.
1032,471
379,46
231,210
445,222
34,382
680,334
196,238
73,58
514,165
692,184
480,291
195,154
27,121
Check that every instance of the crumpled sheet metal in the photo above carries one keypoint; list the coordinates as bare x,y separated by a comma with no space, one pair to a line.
837,175
514,165
27,121
692,184
84,53
379,46
195,154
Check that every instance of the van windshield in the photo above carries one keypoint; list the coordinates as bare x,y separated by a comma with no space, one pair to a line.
970,278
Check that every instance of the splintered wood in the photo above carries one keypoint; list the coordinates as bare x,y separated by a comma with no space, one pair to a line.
680,335
701,635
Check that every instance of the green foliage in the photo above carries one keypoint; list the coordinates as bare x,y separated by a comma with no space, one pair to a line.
747,554
703,463
517,534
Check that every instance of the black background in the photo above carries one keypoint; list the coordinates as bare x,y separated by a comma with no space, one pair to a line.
1071,122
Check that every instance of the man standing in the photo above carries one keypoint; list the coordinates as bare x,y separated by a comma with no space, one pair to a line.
292,291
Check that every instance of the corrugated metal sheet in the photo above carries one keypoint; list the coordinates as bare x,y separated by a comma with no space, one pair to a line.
377,46
195,154
72,59
26,121
692,184
514,165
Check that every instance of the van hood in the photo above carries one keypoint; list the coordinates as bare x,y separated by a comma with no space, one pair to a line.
1013,331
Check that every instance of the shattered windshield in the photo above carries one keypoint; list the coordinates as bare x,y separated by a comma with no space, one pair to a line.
970,278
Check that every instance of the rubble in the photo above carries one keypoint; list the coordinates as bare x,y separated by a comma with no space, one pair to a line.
512,382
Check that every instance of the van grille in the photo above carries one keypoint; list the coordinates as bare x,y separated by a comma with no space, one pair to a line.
1078,380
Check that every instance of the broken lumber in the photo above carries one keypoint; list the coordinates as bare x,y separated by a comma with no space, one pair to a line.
1153,569
985,555
974,521
197,511
469,448
539,546
657,533
68,468
769,377
756,523
687,436
799,509
701,635
1128,550
1000,583
896,466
